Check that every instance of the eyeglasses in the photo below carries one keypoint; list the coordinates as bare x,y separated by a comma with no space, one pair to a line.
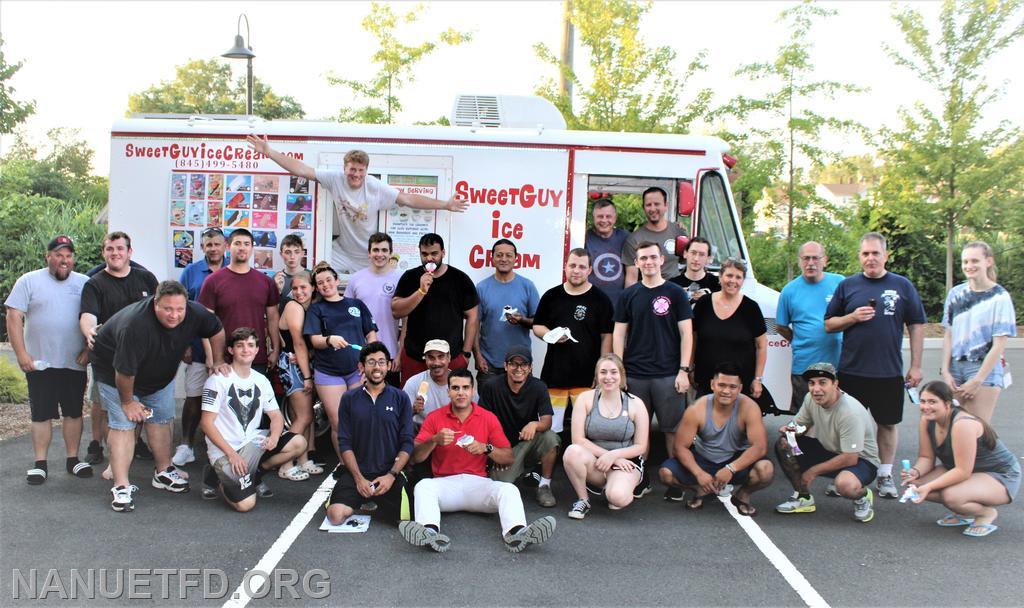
212,232
514,365
810,258
375,363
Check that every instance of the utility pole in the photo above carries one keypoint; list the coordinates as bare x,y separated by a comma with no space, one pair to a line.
564,83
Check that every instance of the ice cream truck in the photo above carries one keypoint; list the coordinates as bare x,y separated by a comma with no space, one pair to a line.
524,175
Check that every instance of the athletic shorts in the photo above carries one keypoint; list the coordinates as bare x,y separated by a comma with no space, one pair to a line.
962,371
54,390
195,378
660,397
686,478
239,487
815,453
562,400
882,396
328,380
161,402
393,506
527,453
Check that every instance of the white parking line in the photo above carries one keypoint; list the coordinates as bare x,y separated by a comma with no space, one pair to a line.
778,559
270,559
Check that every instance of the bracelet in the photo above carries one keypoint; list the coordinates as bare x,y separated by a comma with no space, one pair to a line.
759,378
309,378
914,469
420,289
729,466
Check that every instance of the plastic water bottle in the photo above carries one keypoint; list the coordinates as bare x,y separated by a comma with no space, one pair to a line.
40,365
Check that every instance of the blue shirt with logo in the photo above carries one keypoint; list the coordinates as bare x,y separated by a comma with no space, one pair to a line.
606,261
375,430
348,318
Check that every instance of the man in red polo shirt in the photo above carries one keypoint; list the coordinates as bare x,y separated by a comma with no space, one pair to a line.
460,438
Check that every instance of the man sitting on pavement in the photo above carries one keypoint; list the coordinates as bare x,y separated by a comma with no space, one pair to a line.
375,437
232,408
722,443
523,406
460,481
844,447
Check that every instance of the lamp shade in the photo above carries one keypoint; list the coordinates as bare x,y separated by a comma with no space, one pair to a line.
239,51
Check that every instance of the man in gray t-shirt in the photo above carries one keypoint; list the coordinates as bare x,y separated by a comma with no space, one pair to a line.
658,230
42,325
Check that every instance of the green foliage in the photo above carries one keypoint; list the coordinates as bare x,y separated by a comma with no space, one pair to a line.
849,170
12,112
634,87
13,387
395,61
205,87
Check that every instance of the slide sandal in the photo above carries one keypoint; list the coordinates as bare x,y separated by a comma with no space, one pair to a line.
35,477
81,470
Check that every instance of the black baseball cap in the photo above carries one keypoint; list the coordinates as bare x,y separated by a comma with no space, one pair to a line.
519,351
61,241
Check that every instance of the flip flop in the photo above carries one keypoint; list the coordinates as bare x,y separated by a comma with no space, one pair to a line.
696,503
982,530
742,507
35,477
954,520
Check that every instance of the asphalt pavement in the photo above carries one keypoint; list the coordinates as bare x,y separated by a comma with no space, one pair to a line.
654,553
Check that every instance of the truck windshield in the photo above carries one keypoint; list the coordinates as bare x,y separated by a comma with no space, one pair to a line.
716,220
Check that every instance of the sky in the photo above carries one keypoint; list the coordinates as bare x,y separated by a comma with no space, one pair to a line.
83,59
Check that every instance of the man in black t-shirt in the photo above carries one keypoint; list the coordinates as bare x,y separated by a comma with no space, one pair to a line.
586,312
654,335
115,286
135,357
695,278
523,407
436,299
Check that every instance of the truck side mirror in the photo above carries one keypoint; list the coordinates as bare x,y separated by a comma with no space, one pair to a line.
687,199
681,242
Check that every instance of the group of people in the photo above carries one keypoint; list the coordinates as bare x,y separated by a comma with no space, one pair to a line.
629,337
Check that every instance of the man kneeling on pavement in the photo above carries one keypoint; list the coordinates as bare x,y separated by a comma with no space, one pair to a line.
523,406
844,447
721,441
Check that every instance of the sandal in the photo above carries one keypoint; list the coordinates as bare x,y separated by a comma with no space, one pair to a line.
954,520
294,473
695,504
743,507
81,470
312,468
979,530
35,477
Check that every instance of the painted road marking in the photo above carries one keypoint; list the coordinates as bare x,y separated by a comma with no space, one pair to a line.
778,559
266,565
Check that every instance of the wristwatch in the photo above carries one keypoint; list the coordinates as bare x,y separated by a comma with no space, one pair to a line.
467,354
685,368
488,448
395,474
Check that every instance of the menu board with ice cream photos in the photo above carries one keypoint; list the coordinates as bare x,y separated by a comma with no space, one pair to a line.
270,205
406,225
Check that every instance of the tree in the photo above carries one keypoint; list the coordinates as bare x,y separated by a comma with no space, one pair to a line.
785,119
940,150
12,112
633,87
205,87
395,61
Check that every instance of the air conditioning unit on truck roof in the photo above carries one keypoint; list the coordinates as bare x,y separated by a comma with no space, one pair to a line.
508,111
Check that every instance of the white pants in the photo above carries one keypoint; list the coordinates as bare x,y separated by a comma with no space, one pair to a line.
468,493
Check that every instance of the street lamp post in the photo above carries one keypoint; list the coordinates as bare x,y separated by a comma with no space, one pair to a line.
242,51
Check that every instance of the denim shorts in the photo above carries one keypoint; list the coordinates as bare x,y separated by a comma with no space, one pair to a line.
290,375
161,402
962,371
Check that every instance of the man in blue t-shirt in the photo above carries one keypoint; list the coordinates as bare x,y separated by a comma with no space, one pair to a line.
871,309
604,242
801,317
508,302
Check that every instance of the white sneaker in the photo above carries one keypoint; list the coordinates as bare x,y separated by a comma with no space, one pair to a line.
886,487
797,505
183,455
170,480
123,498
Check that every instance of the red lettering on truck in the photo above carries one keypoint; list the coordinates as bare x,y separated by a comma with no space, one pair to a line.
480,257
202,151
525,196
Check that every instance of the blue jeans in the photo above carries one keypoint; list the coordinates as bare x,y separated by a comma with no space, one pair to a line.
161,402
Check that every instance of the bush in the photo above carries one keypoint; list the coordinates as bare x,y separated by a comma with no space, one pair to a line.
13,388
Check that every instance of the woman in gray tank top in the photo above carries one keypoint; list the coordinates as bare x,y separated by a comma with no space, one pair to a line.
975,472
609,438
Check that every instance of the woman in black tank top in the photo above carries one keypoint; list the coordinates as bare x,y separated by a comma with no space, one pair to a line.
296,373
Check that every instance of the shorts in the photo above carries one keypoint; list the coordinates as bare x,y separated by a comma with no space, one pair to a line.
962,371
320,377
882,396
94,391
527,453
239,487
799,392
561,402
161,402
815,453
660,397
55,389
686,478
289,374
393,506
195,379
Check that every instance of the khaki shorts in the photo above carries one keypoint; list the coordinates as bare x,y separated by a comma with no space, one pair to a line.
527,453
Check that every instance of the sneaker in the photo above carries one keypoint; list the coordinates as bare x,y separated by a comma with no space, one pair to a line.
123,498
533,534
531,480
94,453
545,497
209,493
886,487
796,504
170,480
594,491
368,506
183,455
579,509
418,535
863,508
642,489
831,490
673,494
142,450
263,490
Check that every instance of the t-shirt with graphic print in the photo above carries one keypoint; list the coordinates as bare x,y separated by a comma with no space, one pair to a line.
652,340
239,404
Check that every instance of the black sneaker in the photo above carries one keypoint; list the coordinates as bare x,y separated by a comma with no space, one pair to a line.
531,480
263,490
142,450
674,494
209,493
642,489
94,453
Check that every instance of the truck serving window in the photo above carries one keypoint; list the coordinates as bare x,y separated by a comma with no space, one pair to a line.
716,220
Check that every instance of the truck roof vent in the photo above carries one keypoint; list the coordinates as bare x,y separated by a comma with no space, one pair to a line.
510,111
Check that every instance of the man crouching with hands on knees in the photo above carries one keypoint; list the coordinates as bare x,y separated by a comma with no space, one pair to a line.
232,408
461,438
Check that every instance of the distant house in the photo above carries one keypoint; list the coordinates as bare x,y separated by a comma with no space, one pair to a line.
834,195
842,195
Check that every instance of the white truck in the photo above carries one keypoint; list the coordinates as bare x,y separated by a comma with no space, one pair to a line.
525,176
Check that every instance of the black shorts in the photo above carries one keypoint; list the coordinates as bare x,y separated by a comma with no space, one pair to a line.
815,453
55,389
882,396
389,505
686,478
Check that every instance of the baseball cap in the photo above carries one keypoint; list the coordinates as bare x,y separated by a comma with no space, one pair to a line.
440,346
61,241
519,351
820,370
